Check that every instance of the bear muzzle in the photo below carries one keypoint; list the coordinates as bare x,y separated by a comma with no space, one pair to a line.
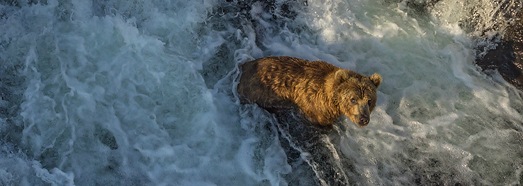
363,117
360,120
363,121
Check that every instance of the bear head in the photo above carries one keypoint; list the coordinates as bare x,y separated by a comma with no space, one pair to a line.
355,95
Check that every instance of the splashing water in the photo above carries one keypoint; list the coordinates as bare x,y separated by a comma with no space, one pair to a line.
142,93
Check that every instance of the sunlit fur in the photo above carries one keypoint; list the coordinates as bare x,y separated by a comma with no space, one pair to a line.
360,89
320,90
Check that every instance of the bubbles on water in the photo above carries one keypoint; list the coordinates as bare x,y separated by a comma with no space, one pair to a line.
120,92
433,98
113,96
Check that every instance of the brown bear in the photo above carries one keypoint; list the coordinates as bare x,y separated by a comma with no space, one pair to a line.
321,91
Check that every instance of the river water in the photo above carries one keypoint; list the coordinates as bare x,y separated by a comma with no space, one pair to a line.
142,93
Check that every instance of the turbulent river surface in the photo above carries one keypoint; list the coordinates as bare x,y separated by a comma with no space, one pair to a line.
142,92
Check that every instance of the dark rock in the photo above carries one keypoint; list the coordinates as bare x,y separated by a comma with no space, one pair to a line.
497,26
507,57
310,149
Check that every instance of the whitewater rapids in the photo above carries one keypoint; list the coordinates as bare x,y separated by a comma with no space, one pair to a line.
142,93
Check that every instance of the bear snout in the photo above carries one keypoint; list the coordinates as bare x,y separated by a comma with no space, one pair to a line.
364,120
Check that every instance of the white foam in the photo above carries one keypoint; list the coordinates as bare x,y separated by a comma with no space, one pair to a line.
116,93
104,96
431,88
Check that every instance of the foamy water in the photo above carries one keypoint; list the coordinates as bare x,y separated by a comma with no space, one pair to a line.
142,93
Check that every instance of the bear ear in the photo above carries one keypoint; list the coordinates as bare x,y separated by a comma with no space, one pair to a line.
376,79
341,75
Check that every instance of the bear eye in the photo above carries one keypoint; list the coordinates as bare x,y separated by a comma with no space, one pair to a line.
369,102
352,100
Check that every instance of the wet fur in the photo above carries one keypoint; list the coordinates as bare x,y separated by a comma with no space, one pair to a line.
320,90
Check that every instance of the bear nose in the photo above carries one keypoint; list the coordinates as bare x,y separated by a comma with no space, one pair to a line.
364,121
